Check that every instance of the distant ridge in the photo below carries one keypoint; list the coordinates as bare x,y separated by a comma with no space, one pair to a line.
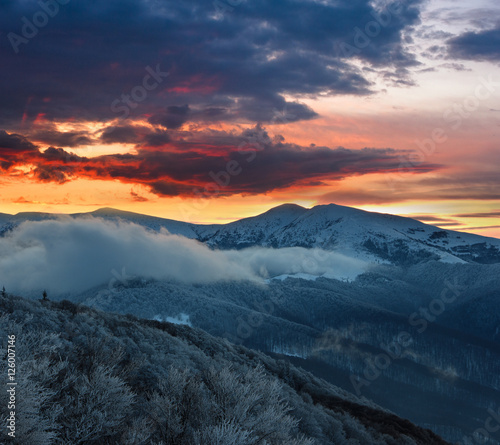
374,237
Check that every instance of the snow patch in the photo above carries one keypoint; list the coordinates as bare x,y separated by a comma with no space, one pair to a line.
179,319
303,276
288,352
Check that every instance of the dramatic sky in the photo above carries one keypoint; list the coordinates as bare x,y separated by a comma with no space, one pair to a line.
211,111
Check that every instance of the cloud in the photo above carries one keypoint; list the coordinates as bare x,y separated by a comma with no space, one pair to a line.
451,224
59,155
50,174
483,227
435,220
251,162
121,134
476,45
493,214
173,118
22,200
455,66
467,182
72,255
270,263
14,148
138,198
157,139
430,218
239,65
182,319
15,143
51,136
460,15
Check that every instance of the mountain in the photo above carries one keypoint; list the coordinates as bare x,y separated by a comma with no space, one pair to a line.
375,237
417,331
354,232
91,378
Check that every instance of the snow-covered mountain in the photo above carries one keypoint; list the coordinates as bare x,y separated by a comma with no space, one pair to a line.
444,380
354,232
372,236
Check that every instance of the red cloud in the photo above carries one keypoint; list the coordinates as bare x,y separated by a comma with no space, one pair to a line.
222,164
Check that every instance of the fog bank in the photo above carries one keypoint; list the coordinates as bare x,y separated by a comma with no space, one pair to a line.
72,255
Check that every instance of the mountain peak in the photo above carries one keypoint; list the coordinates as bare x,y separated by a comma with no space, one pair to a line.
110,211
289,207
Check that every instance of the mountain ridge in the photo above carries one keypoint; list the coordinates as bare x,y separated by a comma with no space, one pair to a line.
375,237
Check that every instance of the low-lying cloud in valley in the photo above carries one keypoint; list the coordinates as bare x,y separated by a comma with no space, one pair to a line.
73,255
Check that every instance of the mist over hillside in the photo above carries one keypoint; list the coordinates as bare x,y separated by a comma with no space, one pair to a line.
68,256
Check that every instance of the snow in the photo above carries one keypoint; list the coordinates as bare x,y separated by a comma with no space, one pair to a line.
288,352
330,227
303,276
181,319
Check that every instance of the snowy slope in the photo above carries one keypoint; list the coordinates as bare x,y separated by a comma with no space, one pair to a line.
151,222
355,233
370,236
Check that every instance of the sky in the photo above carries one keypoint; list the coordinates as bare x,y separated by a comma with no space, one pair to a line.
212,111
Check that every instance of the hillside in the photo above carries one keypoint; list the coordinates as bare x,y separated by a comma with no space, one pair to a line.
89,377
444,380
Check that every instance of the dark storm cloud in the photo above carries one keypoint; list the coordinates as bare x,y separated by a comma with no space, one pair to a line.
250,171
173,118
65,139
157,139
58,155
230,65
52,174
480,45
274,110
124,134
14,148
247,163
15,143
137,134
168,188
